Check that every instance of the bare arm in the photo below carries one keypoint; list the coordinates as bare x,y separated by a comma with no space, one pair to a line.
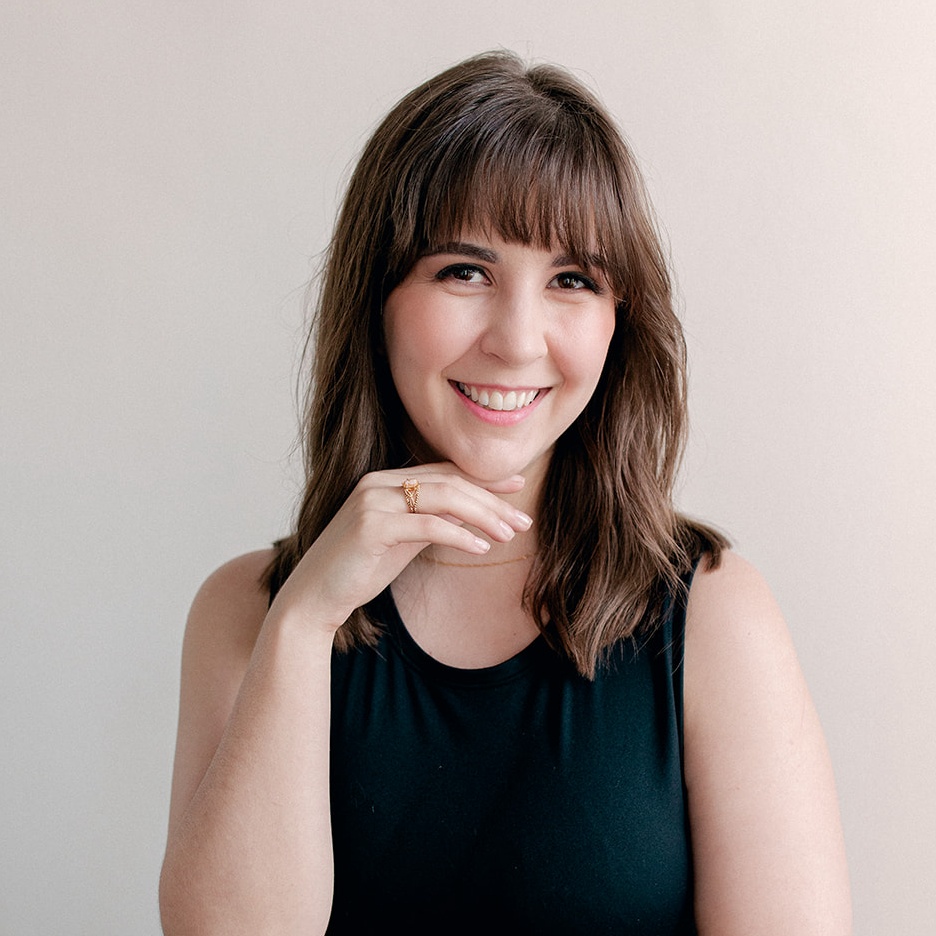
249,846
767,840
251,768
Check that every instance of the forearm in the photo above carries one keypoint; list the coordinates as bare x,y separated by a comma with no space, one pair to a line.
252,851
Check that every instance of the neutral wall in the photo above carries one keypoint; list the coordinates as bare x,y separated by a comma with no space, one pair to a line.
170,171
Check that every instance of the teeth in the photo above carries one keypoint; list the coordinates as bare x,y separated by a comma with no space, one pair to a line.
495,400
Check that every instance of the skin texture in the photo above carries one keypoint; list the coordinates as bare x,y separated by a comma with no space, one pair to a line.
249,846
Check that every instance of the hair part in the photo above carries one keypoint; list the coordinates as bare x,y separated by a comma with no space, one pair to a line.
531,155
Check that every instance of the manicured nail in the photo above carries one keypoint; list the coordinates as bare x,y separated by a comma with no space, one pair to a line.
481,545
524,521
506,529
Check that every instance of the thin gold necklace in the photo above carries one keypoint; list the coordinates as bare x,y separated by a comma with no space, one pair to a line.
475,565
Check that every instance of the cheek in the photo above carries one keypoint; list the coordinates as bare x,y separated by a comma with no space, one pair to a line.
603,342
404,338
421,343
589,350
418,356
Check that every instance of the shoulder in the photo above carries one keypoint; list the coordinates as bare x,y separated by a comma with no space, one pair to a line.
738,649
732,617
766,833
222,629
235,590
731,587
225,618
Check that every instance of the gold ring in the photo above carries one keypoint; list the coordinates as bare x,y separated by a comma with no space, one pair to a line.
411,493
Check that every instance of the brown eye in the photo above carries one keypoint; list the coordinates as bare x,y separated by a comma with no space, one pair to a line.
569,280
462,272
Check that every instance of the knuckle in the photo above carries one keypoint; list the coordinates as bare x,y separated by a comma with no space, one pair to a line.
368,482
370,497
430,526
461,484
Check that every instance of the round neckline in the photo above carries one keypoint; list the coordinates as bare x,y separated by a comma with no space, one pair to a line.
415,656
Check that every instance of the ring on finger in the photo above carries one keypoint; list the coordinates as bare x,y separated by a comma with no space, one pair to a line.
411,494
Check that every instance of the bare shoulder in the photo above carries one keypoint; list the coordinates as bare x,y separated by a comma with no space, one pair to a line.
232,602
765,826
222,629
725,595
741,665
734,626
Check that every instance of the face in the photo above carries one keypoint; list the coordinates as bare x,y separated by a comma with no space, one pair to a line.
495,348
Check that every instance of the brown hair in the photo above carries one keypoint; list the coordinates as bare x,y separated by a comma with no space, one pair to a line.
530,154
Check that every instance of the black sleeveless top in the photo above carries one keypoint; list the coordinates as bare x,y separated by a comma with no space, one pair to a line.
519,798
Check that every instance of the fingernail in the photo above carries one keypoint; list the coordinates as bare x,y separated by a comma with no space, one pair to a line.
506,529
482,545
523,520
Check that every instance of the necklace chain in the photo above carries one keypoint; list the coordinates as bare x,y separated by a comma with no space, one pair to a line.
475,565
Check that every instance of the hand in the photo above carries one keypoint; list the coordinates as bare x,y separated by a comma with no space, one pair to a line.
374,536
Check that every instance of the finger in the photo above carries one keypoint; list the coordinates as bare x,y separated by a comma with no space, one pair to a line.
457,500
502,486
430,529
486,491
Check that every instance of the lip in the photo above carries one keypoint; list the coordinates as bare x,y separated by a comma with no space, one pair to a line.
499,417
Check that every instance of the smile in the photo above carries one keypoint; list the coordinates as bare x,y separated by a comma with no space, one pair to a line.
498,400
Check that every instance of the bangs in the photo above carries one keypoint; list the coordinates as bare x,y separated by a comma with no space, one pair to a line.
548,183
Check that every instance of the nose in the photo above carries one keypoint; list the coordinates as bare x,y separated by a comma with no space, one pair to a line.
516,327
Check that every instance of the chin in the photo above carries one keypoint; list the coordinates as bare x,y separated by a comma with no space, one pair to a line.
499,467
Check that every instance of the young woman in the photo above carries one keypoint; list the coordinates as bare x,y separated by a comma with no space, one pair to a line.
493,682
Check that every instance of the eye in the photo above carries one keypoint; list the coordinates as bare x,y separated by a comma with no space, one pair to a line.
575,281
462,273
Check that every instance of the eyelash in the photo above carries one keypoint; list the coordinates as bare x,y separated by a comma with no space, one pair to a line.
457,270
453,271
586,281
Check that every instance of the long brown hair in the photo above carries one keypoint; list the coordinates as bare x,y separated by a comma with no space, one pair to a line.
531,154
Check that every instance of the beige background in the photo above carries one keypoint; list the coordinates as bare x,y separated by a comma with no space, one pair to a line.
169,170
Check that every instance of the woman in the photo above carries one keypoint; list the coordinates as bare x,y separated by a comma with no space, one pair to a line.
563,736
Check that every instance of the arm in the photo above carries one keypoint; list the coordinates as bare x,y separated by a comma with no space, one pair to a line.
767,841
251,767
249,847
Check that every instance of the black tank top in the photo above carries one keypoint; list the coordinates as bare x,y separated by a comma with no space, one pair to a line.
519,798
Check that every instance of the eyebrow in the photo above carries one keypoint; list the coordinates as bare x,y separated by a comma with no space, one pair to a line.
464,249
486,255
